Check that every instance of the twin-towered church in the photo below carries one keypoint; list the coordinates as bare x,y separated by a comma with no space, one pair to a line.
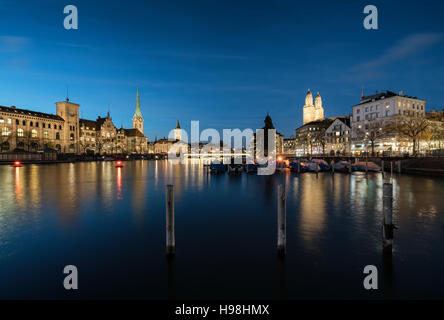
312,112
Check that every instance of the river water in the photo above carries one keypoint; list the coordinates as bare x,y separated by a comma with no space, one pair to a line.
110,224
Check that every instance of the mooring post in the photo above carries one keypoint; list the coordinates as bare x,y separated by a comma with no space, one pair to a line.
299,167
387,228
282,223
170,240
399,166
332,166
317,169
366,165
391,169
382,167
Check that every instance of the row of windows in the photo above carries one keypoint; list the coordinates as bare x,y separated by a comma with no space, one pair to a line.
338,133
21,133
337,140
31,123
372,108
417,106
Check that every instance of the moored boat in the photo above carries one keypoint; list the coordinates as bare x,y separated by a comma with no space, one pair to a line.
235,168
250,168
371,166
323,165
218,168
342,166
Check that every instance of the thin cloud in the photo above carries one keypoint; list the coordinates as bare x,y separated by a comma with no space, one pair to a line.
13,43
406,47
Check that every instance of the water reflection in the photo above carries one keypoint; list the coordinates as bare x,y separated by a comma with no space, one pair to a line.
228,220
119,183
18,190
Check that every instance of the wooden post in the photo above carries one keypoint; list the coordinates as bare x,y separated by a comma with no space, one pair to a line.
317,169
387,228
350,167
399,166
391,169
366,165
382,167
282,223
170,240
299,167
332,167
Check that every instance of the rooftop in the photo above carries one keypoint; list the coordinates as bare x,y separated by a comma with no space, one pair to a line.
17,111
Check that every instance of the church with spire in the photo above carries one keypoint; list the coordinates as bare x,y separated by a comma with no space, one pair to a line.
137,118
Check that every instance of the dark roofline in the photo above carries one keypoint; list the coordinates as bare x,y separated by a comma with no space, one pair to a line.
15,110
383,95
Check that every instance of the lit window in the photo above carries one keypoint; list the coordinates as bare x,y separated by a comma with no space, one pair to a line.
34,133
5,132
46,134
2,120
20,132
9,121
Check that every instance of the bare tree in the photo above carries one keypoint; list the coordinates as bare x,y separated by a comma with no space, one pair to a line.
318,139
372,132
99,142
412,129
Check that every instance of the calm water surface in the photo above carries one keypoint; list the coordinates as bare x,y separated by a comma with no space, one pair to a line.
110,223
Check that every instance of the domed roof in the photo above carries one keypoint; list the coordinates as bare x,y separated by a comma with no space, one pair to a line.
318,100
309,98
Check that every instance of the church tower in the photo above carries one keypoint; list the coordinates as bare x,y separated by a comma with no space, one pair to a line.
312,112
178,132
137,118
309,108
319,110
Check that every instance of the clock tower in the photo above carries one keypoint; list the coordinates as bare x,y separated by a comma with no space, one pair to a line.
137,118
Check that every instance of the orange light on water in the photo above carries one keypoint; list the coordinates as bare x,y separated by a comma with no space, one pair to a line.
17,164
119,164
119,183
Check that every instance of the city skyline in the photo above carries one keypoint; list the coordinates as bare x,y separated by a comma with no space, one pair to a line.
207,73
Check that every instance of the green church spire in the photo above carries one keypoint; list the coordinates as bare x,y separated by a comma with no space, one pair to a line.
138,113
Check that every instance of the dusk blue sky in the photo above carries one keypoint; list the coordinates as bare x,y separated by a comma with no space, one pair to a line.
225,63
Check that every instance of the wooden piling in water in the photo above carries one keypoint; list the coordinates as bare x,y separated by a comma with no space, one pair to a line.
399,166
332,167
282,223
170,239
382,167
366,165
387,228
350,167
391,169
